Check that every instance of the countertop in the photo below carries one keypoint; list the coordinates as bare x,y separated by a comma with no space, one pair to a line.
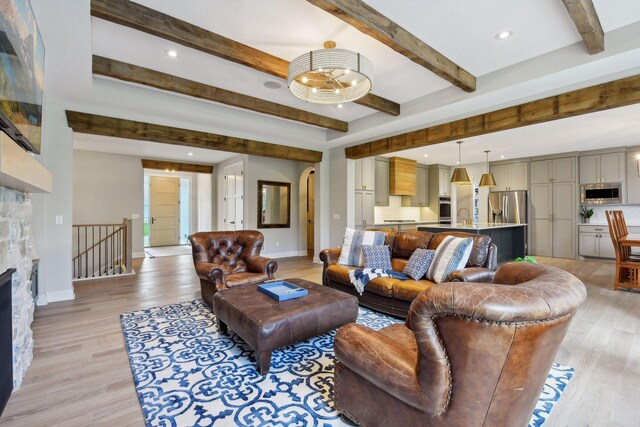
405,223
479,226
598,224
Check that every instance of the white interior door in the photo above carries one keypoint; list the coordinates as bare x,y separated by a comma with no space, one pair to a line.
310,212
234,197
164,225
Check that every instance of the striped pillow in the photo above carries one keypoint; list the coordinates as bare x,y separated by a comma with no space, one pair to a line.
351,253
451,255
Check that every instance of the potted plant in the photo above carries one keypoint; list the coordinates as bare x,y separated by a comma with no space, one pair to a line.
586,214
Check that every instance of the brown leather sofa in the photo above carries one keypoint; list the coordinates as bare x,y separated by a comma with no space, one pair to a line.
224,259
394,296
471,354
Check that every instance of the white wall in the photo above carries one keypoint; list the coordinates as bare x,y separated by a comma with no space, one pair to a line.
108,188
53,241
204,191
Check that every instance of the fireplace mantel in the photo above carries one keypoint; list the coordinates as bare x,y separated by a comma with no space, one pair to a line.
21,171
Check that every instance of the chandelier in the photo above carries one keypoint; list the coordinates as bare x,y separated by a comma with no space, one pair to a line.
330,75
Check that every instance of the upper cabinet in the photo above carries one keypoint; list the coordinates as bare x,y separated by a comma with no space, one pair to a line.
633,176
421,199
555,170
444,182
381,173
510,177
608,167
365,179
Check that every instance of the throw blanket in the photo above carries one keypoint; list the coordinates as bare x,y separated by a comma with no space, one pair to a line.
361,276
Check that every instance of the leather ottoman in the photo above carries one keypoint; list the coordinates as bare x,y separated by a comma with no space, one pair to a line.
266,324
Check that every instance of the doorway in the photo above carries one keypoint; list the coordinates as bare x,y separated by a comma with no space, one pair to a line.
234,197
310,212
167,210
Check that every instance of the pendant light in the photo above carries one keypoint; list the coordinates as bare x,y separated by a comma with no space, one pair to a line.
487,179
460,175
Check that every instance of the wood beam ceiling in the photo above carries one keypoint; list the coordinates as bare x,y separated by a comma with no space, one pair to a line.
145,76
618,93
584,15
120,128
176,166
366,19
141,18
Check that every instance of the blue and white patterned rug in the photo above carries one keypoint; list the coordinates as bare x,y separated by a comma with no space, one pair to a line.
187,374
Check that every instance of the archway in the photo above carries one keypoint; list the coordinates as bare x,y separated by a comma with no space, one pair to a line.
306,208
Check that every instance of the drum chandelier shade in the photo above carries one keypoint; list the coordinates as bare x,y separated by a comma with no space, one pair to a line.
487,179
460,175
330,76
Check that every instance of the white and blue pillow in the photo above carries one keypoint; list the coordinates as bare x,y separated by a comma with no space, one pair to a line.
351,253
419,263
377,256
452,254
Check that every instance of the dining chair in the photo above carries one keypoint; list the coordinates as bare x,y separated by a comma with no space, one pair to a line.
627,273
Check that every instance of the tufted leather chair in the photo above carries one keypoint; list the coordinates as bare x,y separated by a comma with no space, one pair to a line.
470,354
224,259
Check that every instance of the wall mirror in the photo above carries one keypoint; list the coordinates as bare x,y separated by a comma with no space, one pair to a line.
274,204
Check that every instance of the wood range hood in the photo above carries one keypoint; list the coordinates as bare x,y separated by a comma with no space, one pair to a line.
402,177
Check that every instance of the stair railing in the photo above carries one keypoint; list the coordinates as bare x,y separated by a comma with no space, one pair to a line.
102,250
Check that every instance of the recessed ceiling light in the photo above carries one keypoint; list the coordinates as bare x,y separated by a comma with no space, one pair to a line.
272,85
340,105
171,53
458,162
502,157
337,90
426,155
190,154
504,35
314,90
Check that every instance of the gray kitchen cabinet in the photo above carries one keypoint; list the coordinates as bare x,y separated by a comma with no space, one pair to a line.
364,209
421,199
381,176
553,170
444,182
633,177
365,171
553,219
595,241
609,167
510,177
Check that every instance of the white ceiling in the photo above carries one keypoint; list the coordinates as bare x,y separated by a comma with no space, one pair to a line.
544,55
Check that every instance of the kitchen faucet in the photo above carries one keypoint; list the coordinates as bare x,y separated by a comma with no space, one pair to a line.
468,219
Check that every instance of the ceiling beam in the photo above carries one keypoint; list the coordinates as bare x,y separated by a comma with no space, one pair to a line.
142,18
366,19
145,76
120,128
176,166
587,22
618,93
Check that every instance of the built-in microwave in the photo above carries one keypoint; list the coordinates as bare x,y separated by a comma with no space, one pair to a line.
601,194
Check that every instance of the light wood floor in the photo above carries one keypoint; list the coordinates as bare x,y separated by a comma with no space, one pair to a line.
80,375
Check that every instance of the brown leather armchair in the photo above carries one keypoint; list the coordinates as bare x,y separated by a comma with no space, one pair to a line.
470,354
224,259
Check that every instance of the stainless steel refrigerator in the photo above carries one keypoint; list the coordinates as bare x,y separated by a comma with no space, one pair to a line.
508,207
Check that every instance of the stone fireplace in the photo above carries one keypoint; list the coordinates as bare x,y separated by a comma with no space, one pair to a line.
18,251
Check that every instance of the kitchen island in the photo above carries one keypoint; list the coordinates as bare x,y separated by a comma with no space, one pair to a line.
510,239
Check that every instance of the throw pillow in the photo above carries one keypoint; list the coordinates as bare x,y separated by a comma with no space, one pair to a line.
351,253
377,256
418,263
452,254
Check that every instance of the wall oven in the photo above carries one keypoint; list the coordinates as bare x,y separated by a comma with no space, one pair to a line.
444,210
601,194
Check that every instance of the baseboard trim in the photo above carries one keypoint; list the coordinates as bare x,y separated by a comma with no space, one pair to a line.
41,300
317,260
287,254
138,255
60,296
